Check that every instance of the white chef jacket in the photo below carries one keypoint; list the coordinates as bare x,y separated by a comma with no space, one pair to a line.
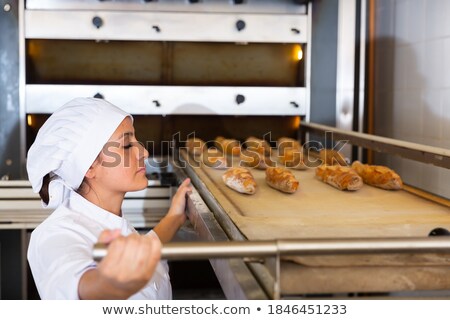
60,250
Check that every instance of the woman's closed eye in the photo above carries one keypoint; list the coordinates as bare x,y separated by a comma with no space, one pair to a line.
133,144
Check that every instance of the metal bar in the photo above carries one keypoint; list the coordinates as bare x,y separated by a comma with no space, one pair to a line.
22,82
427,154
235,249
206,6
372,42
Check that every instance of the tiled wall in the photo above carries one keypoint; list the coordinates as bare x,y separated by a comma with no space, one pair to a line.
412,95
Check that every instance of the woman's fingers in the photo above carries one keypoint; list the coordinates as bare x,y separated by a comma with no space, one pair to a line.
116,248
108,235
184,188
130,262
150,261
185,183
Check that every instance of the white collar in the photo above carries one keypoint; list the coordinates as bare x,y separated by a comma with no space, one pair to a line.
80,204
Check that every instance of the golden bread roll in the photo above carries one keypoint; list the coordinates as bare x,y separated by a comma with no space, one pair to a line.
240,179
195,146
343,178
228,146
378,176
287,143
258,145
281,179
292,159
217,162
332,157
214,158
253,159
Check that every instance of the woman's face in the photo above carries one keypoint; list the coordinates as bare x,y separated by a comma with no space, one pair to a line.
120,166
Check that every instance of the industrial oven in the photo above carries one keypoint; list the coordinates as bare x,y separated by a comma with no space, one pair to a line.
236,69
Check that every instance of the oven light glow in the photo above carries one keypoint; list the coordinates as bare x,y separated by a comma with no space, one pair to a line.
299,53
29,120
296,122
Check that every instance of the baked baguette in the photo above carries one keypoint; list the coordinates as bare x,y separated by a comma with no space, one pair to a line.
292,159
217,162
240,179
195,146
258,145
342,178
253,159
378,176
281,179
332,157
228,146
213,158
288,143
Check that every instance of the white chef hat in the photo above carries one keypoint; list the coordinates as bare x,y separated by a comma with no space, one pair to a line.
68,143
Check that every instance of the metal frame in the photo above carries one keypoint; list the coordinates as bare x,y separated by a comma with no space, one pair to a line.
234,275
174,99
350,77
223,6
9,92
362,70
22,83
273,250
266,21
163,26
345,73
308,65
423,153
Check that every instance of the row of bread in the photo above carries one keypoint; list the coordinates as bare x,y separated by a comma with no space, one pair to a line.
333,171
254,153
352,178
340,177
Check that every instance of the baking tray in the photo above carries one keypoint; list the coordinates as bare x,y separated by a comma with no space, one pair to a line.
319,211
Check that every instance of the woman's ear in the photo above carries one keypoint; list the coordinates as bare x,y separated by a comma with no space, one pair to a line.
91,173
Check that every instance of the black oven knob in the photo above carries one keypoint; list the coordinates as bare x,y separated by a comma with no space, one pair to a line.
436,232
97,22
240,99
240,25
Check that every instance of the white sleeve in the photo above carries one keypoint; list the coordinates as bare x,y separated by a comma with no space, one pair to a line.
58,259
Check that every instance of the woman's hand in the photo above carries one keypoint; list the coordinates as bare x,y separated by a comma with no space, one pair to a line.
178,205
176,216
126,269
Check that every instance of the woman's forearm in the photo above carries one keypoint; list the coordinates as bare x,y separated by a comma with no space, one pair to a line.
168,226
93,287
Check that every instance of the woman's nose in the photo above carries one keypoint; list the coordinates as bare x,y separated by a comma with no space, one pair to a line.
143,153
146,154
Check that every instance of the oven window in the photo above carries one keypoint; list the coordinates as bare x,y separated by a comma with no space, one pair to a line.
164,63
157,132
